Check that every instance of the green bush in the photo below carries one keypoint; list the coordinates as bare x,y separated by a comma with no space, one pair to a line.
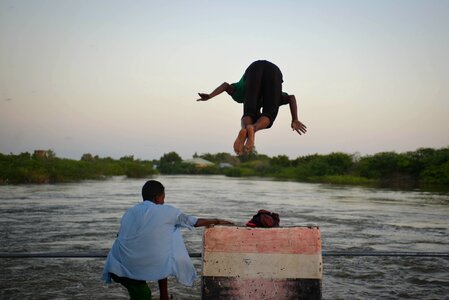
436,174
382,165
233,172
24,168
133,170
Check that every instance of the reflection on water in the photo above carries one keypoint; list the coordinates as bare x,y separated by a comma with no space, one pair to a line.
85,217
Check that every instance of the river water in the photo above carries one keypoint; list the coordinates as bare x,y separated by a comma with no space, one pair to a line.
85,217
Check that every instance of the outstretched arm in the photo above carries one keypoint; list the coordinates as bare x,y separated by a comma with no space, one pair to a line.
207,222
296,124
224,87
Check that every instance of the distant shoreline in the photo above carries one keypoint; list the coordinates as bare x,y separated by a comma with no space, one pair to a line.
424,169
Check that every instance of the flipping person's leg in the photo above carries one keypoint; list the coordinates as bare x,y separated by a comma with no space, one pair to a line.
251,129
270,89
253,80
253,77
242,135
271,92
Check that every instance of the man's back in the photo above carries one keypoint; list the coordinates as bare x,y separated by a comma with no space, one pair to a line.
148,241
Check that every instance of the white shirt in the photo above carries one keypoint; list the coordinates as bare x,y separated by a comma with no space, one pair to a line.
149,245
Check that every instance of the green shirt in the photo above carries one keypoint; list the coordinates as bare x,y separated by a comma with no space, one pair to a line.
239,91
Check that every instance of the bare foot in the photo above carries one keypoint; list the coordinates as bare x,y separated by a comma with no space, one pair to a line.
240,141
251,137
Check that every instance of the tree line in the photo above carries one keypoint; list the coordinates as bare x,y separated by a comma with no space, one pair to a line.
30,168
423,167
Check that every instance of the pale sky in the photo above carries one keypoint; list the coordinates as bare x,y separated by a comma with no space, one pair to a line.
115,78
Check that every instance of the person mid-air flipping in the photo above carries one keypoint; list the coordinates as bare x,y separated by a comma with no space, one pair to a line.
260,91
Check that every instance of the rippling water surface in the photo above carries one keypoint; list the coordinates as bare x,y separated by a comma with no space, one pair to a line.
85,217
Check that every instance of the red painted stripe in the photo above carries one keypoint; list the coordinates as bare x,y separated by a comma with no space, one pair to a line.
291,240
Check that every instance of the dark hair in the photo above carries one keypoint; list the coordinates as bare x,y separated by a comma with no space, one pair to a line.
151,189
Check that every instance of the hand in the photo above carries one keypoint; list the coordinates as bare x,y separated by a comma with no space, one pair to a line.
299,127
223,222
204,97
